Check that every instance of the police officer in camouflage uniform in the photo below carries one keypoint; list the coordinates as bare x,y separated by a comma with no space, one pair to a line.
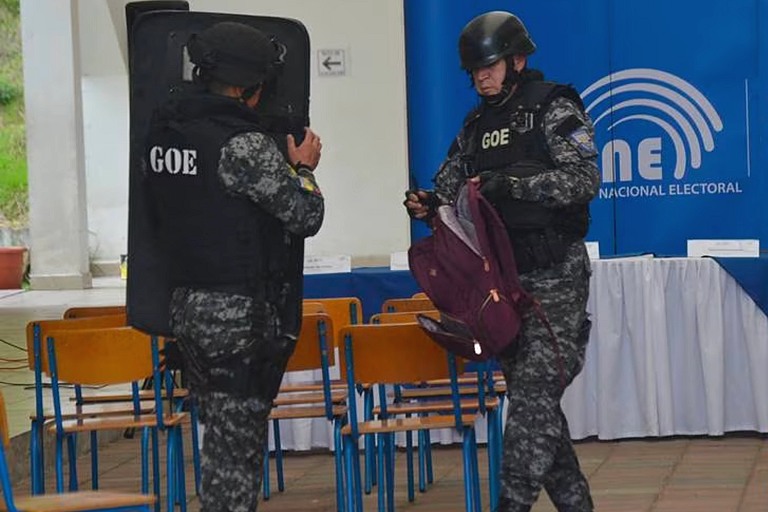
530,144
232,211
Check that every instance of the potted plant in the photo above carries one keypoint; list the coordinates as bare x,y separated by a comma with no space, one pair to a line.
12,266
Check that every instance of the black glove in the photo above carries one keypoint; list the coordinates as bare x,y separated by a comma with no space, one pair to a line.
495,187
432,202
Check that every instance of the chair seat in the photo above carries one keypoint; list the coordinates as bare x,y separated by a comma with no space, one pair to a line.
337,397
118,422
310,386
294,413
404,424
101,409
435,391
77,501
144,394
436,406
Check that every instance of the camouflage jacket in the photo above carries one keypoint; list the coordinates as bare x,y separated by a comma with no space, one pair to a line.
575,179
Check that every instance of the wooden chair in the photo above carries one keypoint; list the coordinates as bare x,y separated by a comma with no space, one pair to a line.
311,308
37,358
313,352
91,311
342,311
389,354
117,356
434,396
409,304
93,501
181,394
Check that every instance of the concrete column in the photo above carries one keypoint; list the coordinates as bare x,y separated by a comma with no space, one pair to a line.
55,152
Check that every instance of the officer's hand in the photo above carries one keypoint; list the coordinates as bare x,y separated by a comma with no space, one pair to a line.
307,154
418,203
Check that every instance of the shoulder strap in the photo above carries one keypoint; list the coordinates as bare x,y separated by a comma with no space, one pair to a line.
492,236
540,92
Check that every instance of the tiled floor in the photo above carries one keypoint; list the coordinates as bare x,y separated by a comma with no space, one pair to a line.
727,474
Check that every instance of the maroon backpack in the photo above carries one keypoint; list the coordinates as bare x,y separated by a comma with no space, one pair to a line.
467,268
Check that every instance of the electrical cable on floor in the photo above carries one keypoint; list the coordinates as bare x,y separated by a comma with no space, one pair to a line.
12,345
17,384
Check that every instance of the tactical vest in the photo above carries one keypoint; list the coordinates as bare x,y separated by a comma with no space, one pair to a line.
510,139
216,240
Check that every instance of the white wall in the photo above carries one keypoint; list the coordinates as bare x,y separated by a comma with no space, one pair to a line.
361,118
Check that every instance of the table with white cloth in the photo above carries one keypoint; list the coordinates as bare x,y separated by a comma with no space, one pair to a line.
678,347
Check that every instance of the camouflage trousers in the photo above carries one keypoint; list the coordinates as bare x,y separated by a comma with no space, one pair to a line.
234,434
220,335
538,452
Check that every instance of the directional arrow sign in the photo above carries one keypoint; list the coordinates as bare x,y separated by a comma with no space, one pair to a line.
332,62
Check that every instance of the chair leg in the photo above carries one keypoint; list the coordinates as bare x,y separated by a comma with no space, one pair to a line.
195,443
428,453
381,460
390,470
369,444
170,468
475,471
72,454
180,473
155,464
352,482
278,456
493,458
337,456
145,460
466,460
422,462
36,457
60,462
409,462
94,460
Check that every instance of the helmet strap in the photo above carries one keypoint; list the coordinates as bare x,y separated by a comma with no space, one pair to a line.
249,92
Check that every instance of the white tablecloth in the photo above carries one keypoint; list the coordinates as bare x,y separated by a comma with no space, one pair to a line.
677,347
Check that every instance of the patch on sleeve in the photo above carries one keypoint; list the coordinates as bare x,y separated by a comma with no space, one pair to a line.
582,141
307,185
575,132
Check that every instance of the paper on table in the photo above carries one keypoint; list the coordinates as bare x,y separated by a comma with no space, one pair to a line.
725,248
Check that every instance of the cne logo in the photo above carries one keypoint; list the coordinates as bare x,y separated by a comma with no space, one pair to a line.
665,100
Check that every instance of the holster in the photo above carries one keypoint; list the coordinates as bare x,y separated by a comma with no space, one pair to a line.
256,374
539,249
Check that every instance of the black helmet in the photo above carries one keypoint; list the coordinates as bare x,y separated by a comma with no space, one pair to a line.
491,36
235,54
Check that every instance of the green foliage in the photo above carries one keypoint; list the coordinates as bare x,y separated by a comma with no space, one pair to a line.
13,159
10,6
8,93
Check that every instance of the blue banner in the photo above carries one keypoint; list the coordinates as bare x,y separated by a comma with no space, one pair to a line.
673,89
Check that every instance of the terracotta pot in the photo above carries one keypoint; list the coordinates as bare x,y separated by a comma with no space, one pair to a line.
11,267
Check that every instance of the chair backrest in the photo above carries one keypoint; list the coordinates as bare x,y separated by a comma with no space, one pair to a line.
37,332
6,438
116,355
406,304
101,356
402,317
393,353
89,311
419,295
312,345
310,308
343,311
